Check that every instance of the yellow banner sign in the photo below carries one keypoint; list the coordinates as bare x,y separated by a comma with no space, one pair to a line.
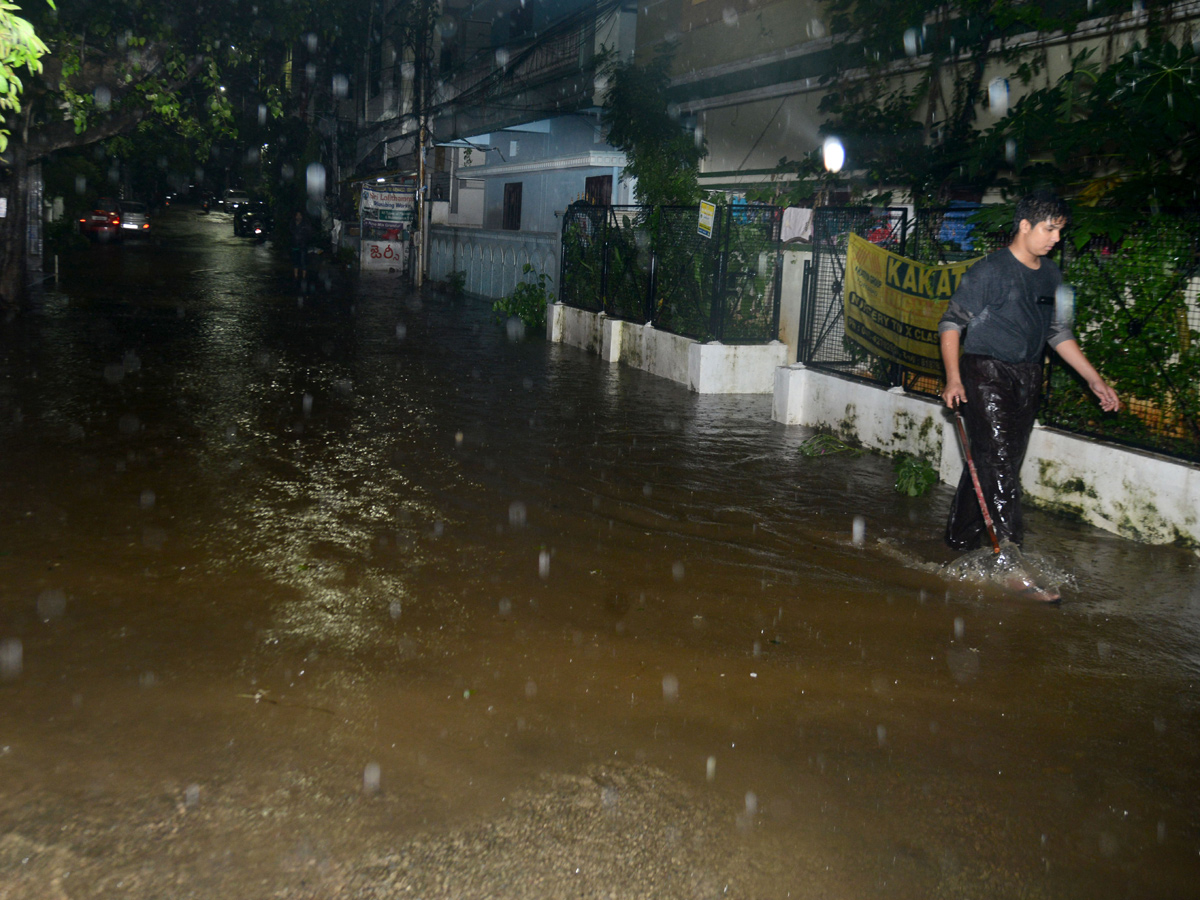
893,304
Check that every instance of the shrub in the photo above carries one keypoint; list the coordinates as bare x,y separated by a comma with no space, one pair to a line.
914,475
456,283
527,301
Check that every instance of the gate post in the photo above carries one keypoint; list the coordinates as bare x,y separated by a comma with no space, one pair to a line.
716,312
807,309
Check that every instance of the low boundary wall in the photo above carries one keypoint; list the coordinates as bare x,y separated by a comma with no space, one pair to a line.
494,261
711,368
1135,494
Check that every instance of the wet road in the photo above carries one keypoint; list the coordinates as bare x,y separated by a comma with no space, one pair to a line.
345,593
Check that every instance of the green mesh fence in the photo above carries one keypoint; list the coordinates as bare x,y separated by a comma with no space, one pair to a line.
1137,317
654,265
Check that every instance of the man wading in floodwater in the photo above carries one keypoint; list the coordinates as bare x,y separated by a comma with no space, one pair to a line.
1005,304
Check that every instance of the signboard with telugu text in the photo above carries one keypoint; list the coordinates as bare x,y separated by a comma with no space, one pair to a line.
708,213
387,213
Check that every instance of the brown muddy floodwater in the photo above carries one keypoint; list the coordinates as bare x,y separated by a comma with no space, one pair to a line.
348,594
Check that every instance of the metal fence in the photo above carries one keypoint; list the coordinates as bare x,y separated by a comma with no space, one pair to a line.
1137,317
654,265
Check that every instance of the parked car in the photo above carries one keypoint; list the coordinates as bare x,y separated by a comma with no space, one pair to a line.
103,221
135,219
253,219
233,198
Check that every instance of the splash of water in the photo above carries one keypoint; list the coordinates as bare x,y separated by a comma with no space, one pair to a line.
1011,569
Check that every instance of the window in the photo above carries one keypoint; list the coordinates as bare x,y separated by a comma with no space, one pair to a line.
598,190
512,207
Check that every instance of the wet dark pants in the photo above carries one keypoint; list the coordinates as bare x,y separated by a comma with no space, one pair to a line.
1002,401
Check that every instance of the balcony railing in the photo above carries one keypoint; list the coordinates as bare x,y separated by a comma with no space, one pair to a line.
522,66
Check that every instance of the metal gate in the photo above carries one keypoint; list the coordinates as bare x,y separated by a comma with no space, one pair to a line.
653,265
823,341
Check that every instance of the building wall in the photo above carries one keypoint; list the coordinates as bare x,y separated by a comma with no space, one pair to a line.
552,164
749,75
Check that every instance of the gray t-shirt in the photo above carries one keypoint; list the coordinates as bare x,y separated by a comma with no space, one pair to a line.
1007,309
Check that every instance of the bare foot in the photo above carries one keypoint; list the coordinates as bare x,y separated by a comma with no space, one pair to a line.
1031,591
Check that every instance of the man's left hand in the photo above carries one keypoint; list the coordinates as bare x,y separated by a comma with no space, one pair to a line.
1109,401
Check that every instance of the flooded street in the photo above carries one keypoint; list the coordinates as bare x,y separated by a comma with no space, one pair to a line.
348,594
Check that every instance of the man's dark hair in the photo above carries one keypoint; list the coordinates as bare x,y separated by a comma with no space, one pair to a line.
1040,206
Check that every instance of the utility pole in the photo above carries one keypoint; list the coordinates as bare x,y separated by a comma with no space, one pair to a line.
421,96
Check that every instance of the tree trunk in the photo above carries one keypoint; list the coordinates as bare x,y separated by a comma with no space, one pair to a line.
13,232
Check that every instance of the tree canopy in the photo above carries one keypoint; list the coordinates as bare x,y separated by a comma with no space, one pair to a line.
154,77
20,48
660,152
909,87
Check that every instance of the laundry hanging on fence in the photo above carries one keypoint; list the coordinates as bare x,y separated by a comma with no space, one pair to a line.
797,224
893,304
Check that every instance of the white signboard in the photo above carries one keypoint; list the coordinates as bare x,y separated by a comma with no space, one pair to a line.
387,213
384,255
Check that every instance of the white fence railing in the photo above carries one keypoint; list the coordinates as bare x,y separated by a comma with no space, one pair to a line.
494,261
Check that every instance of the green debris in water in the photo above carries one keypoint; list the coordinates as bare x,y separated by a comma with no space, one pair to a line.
914,475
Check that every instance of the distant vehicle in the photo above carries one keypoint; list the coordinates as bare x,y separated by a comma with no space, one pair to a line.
232,199
103,221
135,219
253,219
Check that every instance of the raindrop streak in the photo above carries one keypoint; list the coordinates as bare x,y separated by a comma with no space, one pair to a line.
912,42
1064,304
1010,151
959,627
998,96
544,564
677,571
11,658
710,768
859,533
315,177
371,778
834,154
670,688
516,514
